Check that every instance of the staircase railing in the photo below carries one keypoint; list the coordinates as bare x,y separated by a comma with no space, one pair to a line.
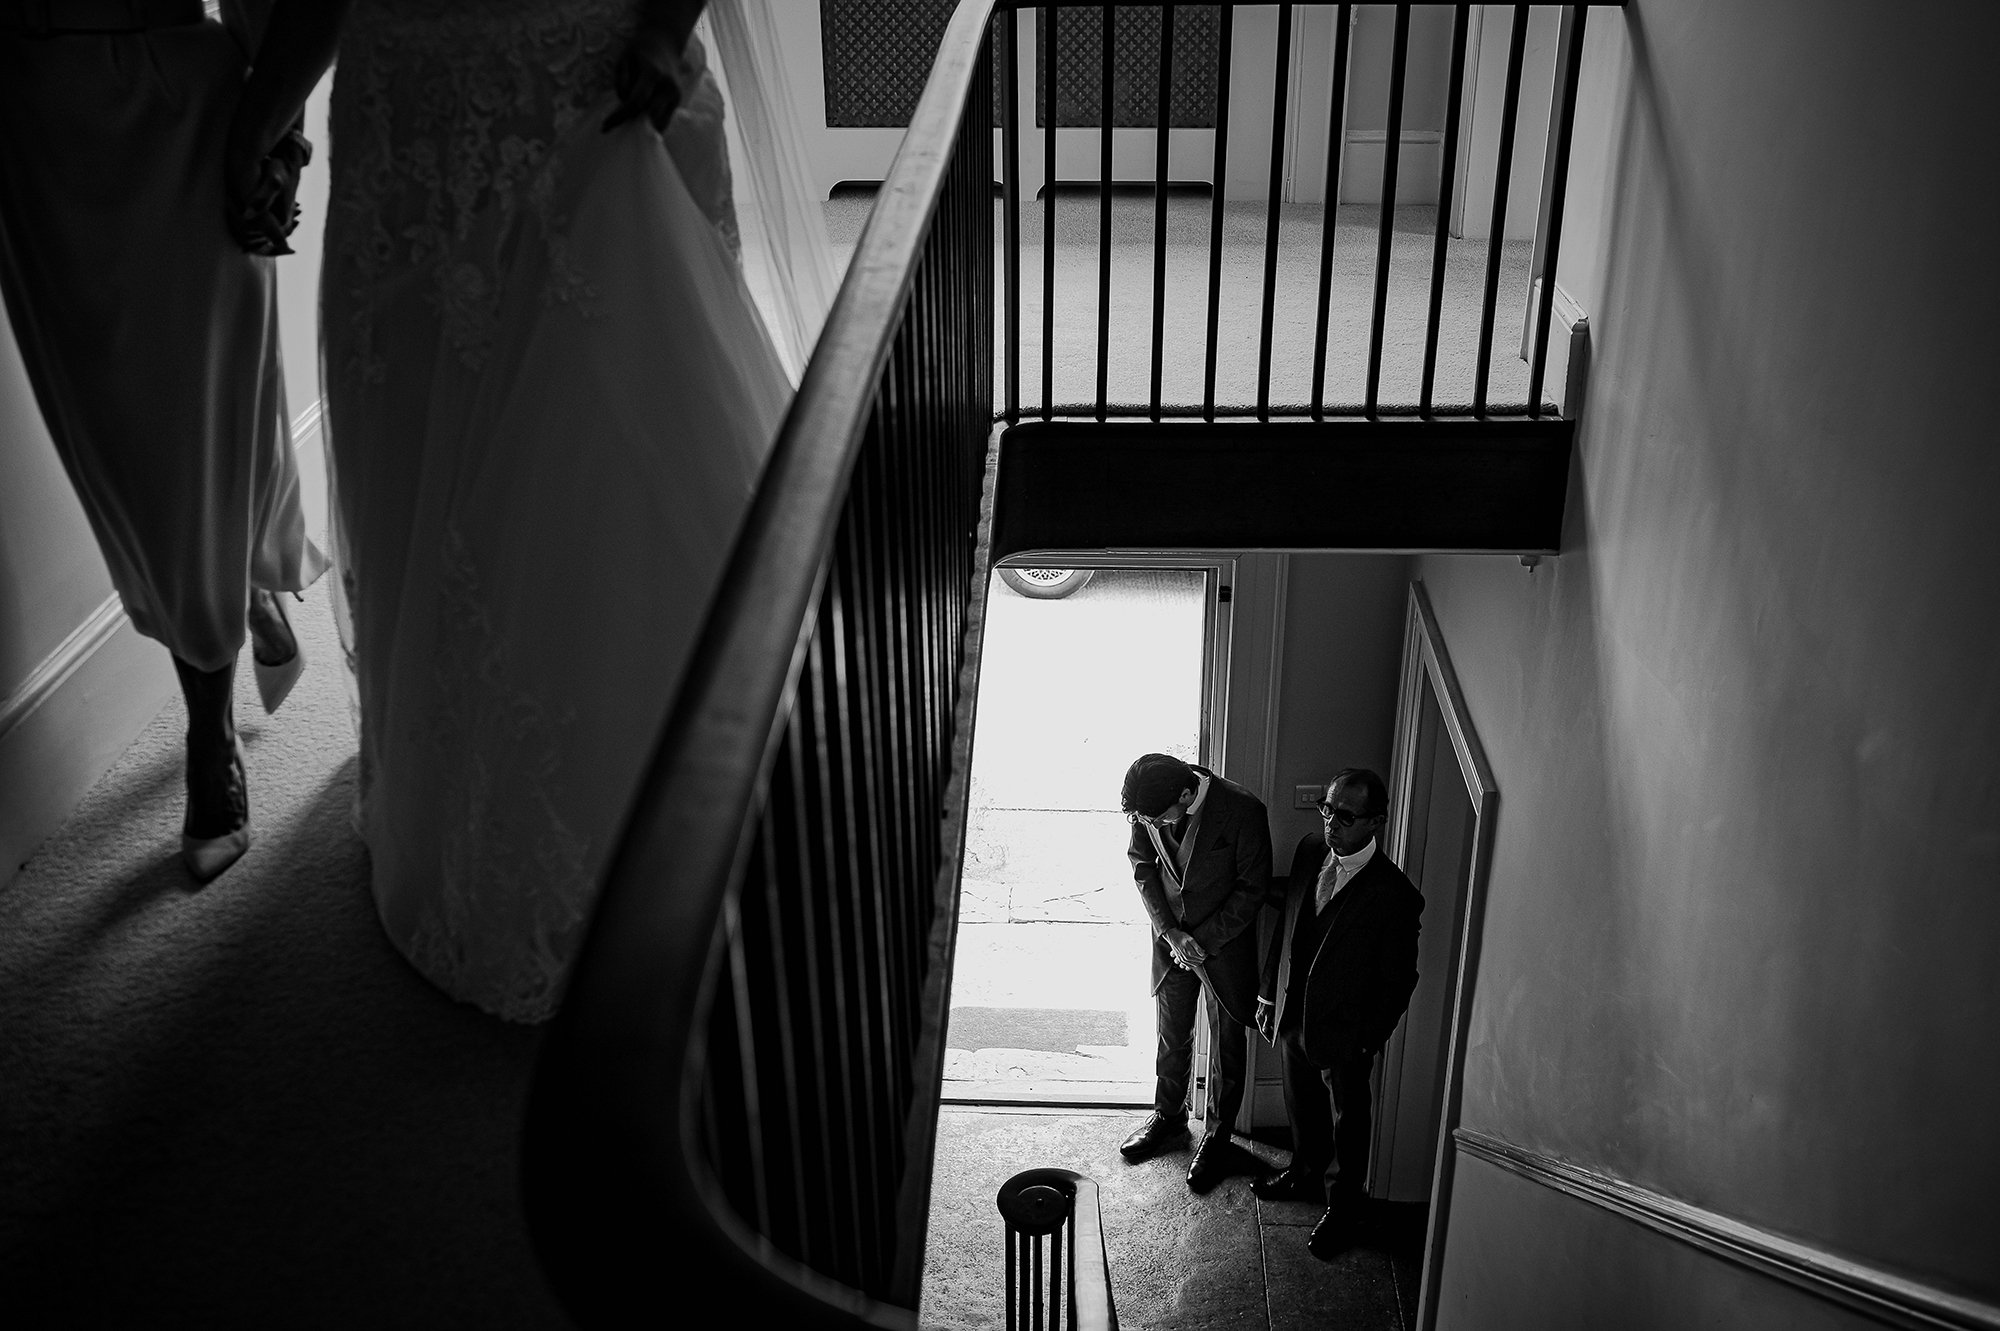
739,1097
1054,1226
1034,391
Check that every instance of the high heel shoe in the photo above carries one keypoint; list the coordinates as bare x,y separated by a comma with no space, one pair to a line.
206,857
275,680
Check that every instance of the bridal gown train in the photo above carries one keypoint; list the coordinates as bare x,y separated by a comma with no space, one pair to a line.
549,399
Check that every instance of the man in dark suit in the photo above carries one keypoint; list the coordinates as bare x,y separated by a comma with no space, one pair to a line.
1337,977
1201,856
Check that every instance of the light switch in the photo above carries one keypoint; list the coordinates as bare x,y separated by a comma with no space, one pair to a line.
1307,797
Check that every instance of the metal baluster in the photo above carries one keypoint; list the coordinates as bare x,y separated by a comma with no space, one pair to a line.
1055,1278
1227,17
1035,1282
1105,114
1009,24
792,809
1048,14
1447,180
870,1009
1336,133
1013,1288
1385,242
799,1239
835,1009
1163,130
1566,122
1280,80
751,1122
1516,42
892,864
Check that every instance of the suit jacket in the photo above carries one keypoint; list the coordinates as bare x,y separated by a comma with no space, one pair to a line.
1361,976
1225,881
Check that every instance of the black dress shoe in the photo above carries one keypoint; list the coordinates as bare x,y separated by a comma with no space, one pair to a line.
1291,1185
1336,1232
1214,1160
1158,1133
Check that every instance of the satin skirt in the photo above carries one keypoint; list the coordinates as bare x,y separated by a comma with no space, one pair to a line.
150,338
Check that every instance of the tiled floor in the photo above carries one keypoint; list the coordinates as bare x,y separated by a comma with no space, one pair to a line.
1223,1261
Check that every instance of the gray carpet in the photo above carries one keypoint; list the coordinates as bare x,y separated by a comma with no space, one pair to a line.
236,1106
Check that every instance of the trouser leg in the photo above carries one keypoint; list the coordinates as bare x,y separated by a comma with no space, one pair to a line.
1307,1106
1227,1062
1353,1112
1173,1012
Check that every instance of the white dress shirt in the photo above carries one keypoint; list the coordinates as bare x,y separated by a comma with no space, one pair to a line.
1338,872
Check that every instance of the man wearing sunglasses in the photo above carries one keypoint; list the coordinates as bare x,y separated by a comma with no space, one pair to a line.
1201,856
1337,977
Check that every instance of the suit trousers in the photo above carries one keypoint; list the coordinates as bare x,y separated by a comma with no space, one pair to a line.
1331,1111
1174,1005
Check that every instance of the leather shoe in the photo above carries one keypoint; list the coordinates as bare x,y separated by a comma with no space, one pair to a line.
1158,1133
1291,1185
1338,1230
1214,1160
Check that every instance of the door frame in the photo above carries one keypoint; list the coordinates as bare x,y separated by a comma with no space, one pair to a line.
1426,663
1210,745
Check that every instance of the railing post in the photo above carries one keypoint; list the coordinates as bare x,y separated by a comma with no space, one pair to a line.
1056,1208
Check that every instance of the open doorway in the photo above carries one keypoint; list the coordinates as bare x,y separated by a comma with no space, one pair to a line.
1050,1000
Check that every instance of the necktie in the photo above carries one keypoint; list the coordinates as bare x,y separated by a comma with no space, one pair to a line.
1328,884
1170,865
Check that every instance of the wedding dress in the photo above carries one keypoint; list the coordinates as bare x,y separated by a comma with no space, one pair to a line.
550,394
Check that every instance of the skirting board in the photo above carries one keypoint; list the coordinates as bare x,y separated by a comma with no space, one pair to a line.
1416,167
1892,1299
59,665
73,718
64,725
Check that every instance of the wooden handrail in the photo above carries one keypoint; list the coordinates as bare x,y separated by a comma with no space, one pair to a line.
852,582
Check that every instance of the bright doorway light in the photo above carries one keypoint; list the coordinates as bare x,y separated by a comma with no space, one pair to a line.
1051,983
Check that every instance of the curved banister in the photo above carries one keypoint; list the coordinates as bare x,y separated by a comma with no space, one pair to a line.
1061,1205
809,754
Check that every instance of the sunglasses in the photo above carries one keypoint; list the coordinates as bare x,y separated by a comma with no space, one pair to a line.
1147,820
1343,817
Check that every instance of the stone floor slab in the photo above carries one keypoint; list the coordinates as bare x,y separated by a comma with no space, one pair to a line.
1179,1262
1356,1289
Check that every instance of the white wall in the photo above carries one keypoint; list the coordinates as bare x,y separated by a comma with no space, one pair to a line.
1742,942
76,683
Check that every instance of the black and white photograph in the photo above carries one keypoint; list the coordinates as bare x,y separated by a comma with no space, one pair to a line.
975,665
